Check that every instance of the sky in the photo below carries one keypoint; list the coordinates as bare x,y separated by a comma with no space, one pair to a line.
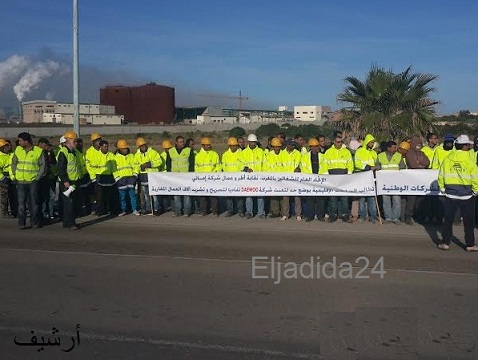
275,52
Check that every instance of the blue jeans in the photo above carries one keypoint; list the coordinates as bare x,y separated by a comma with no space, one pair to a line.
147,199
339,206
28,198
178,205
365,203
124,194
392,206
239,205
250,206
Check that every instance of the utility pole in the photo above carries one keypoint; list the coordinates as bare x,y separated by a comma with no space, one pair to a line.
76,105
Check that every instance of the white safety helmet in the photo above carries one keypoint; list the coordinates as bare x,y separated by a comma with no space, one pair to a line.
62,140
252,137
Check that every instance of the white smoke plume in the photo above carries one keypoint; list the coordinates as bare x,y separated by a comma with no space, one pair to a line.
33,77
12,68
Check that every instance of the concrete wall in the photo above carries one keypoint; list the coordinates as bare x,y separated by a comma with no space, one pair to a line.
39,131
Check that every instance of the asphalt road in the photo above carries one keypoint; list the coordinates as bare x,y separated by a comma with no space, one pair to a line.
177,288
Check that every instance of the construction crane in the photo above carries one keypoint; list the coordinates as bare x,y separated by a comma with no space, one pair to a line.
239,98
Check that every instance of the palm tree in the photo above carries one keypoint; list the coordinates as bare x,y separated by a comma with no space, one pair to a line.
389,105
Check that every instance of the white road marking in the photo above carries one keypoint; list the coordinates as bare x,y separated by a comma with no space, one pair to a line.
189,258
171,343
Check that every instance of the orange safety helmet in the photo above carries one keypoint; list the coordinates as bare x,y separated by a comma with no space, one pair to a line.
207,141
276,142
166,144
122,144
140,142
95,136
232,141
313,142
70,135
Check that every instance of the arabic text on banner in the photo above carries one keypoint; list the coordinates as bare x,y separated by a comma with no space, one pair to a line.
260,184
407,182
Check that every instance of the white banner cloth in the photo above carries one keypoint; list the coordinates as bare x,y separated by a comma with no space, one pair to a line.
260,184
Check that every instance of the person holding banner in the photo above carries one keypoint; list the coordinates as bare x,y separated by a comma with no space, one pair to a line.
338,161
312,163
458,180
415,159
291,162
365,159
252,158
231,162
180,158
273,163
207,160
391,160
147,160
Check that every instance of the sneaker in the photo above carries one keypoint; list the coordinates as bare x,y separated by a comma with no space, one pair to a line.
272,216
472,248
374,221
74,228
445,247
176,215
136,213
309,219
299,218
248,216
241,215
283,218
262,217
122,213
322,219
347,219
156,213
360,220
332,219
397,221
228,214
388,220
36,226
409,221
186,215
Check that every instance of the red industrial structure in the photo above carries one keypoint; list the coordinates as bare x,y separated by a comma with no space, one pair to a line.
146,104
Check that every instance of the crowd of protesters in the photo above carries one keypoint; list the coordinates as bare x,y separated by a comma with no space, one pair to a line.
45,182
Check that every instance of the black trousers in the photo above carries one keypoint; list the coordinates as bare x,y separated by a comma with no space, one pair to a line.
70,205
467,208
107,199
315,207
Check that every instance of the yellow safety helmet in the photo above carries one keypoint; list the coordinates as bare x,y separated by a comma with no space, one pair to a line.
405,145
276,142
232,141
3,142
140,142
70,135
313,142
95,136
122,144
206,141
166,144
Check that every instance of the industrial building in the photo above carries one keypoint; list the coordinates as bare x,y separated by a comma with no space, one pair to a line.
312,113
146,104
52,112
219,115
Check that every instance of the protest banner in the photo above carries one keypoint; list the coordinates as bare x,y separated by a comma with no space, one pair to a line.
407,182
260,184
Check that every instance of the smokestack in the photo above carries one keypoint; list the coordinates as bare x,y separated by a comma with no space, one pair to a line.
20,111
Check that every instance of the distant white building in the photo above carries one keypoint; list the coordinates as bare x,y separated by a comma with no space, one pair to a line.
312,113
44,111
